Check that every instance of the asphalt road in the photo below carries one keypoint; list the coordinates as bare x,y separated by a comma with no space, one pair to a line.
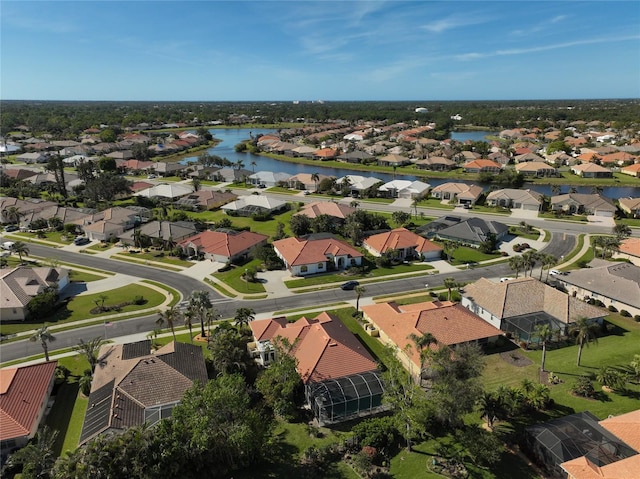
560,244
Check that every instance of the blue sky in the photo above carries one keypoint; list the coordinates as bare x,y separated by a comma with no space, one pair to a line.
329,50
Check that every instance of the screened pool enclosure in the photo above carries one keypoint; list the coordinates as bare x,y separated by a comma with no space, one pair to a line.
336,400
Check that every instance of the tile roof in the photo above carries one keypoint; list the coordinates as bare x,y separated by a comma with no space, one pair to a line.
298,251
630,246
129,378
19,285
400,238
527,295
325,348
224,244
331,208
23,391
449,323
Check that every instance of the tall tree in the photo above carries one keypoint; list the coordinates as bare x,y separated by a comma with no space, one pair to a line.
423,343
199,302
359,290
228,351
544,333
244,316
622,231
315,177
516,263
21,248
38,457
585,332
89,349
450,283
170,316
44,336
11,214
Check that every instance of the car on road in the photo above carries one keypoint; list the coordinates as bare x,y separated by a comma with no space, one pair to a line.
503,280
349,285
8,245
80,240
11,228
306,192
555,272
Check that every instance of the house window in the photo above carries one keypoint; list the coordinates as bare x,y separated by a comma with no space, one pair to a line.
304,269
353,261
320,265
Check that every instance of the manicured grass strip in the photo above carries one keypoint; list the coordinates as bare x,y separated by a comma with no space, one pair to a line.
175,295
287,311
571,256
83,276
78,308
121,257
221,289
232,278
159,257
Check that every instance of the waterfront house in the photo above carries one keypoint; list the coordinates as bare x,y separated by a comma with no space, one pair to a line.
587,204
413,190
591,170
482,166
630,206
515,199
459,193
223,246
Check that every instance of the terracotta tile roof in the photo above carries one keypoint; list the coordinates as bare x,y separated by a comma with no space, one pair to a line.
481,163
630,246
224,244
525,296
331,208
297,251
400,238
325,348
626,427
449,323
23,391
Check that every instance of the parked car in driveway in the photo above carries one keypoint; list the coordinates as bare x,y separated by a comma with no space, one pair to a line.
349,285
11,228
79,241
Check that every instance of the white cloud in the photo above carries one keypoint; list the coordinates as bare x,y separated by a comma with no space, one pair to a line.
452,22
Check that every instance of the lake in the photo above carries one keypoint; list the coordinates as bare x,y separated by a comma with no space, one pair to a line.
473,135
229,138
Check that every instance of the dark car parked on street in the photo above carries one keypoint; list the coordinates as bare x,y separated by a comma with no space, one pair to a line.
349,285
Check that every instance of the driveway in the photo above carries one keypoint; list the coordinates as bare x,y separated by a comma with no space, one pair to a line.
524,214
601,220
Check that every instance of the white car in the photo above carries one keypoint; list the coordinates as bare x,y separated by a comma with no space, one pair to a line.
502,280
555,272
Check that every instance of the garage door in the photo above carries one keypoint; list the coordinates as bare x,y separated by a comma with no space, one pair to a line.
608,214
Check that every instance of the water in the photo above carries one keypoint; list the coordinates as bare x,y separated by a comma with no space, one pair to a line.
473,135
231,137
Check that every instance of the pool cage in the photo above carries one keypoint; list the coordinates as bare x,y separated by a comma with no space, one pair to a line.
570,437
340,399
522,327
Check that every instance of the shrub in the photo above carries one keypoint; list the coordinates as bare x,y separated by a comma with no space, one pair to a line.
583,387
612,308
139,300
637,318
625,313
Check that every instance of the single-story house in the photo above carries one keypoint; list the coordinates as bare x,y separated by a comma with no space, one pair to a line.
527,157
229,175
358,184
405,189
164,168
167,231
325,154
19,285
461,193
515,199
110,223
339,211
34,157
625,429
616,284
24,397
133,387
436,163
450,324
304,181
316,255
172,191
251,204
206,199
579,446
470,231
591,170
633,170
517,306
402,243
356,156
394,160
133,166
629,249
536,168
587,204
268,178
223,246
630,206
341,379
482,166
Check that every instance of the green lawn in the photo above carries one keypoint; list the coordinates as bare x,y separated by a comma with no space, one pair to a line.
520,232
137,260
464,254
84,277
79,307
265,227
373,272
551,215
491,209
233,279
54,236
281,190
158,256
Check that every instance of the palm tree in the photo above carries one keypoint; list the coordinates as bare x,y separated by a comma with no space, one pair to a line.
188,316
171,316
44,336
490,406
11,214
547,260
244,316
315,177
21,248
359,290
200,302
195,184
450,283
414,206
555,190
253,165
516,263
529,258
211,316
423,343
585,333
137,238
544,333
354,204
89,349
239,164
622,231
